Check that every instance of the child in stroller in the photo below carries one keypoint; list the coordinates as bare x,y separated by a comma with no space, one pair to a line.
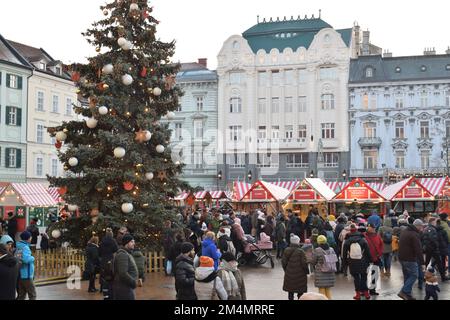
256,252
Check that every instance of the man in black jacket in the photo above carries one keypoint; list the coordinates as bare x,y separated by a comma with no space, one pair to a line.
410,255
9,272
12,225
431,247
185,273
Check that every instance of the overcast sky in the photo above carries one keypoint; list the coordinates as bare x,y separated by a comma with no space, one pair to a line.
201,26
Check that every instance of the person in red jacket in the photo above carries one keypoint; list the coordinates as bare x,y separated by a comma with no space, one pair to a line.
376,251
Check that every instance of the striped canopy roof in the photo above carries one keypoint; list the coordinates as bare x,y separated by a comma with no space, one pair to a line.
54,193
336,186
377,186
218,194
34,195
240,189
201,195
290,185
182,196
434,185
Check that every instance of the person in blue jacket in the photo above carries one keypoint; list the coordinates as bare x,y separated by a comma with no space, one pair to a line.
209,249
375,220
26,277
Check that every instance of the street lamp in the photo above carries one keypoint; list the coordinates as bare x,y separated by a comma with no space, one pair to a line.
344,175
219,177
311,174
249,176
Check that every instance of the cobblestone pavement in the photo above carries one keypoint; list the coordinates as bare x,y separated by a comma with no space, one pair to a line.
262,283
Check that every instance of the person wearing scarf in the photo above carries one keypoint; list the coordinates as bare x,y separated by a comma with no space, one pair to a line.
231,277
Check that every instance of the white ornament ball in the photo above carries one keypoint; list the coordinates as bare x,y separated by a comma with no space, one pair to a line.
127,79
148,135
56,234
127,207
91,123
127,46
61,136
149,176
171,115
157,91
119,152
73,162
134,6
72,207
177,163
108,69
105,12
103,110
160,148
121,41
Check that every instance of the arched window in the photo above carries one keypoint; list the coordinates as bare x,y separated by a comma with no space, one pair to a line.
369,72
328,101
235,105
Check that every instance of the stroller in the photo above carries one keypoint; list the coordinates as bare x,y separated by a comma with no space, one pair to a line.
256,252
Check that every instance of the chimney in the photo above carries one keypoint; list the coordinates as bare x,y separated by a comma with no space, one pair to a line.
387,54
203,62
429,52
447,51
365,43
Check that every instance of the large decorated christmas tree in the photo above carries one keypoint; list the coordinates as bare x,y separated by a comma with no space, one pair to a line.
120,171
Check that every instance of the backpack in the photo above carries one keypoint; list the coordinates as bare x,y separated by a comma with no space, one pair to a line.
330,238
18,255
329,261
355,251
387,237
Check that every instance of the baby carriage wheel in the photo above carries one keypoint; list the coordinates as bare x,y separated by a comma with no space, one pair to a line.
272,264
241,261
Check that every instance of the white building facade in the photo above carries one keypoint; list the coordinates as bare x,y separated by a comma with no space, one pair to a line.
283,101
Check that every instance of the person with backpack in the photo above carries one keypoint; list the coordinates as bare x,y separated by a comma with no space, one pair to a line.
375,220
231,277
26,263
295,269
376,251
430,242
324,264
356,254
446,226
9,271
209,249
208,285
329,234
107,248
386,233
224,241
280,236
185,273
125,271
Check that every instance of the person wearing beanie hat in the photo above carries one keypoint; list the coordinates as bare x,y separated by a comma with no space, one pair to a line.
295,266
8,242
231,277
25,283
185,273
224,241
208,285
126,272
324,265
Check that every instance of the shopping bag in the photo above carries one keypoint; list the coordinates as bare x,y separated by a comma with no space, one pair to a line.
373,277
169,267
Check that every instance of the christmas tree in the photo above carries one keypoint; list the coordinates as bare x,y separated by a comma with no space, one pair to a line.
120,171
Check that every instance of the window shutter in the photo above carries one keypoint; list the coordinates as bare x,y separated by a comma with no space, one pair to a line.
8,76
7,164
0,78
19,83
8,109
19,117
18,158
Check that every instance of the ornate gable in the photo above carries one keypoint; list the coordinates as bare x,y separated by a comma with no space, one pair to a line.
370,117
400,116
424,116
425,145
400,145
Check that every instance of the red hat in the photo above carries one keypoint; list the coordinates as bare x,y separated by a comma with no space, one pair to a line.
206,262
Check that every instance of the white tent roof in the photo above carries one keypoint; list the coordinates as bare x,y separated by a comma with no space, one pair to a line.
278,192
390,191
321,187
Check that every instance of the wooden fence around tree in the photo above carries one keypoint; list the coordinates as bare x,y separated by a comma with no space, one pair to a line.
57,264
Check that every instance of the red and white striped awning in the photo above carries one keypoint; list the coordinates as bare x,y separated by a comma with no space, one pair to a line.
240,189
54,193
336,186
34,195
182,196
377,186
290,185
434,185
218,194
201,195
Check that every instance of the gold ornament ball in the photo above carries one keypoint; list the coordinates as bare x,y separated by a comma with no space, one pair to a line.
98,49
105,86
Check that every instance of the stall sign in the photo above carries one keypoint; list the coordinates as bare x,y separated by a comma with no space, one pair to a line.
413,193
357,193
304,195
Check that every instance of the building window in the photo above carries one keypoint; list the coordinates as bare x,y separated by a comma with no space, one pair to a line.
275,132
179,108
235,133
365,101
327,130
236,77
302,131
275,108
262,78
387,100
198,128
370,159
328,73
42,65
40,133
288,104
289,77
40,101
331,159
39,166
447,98
198,160
276,78
58,70
288,132
302,75
373,101
262,132
369,72
447,129
54,167
55,104
69,107
13,81
424,100
400,130
301,104
398,69
327,101
400,159
178,131
199,103
261,105
237,160
235,105
425,159
297,160
424,129
370,129
267,160
13,158
399,101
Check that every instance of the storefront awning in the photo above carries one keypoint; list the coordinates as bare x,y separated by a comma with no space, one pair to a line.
290,185
182,196
311,191
359,191
434,185
407,190
218,195
336,186
202,195
34,195
240,189
265,192
54,193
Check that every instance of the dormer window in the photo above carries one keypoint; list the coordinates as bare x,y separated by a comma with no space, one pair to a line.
58,70
369,72
42,65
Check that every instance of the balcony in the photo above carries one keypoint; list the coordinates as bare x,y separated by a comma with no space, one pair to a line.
364,173
370,142
330,143
292,143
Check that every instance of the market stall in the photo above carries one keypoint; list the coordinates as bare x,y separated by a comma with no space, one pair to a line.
440,188
311,192
239,190
266,196
203,199
219,197
359,197
184,199
410,195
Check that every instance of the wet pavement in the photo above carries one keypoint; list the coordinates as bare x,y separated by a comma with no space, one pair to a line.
262,283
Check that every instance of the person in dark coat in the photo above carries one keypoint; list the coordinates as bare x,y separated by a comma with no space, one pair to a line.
139,259
9,273
12,225
185,273
357,265
108,246
92,265
442,243
337,231
280,236
175,251
122,231
246,223
125,271
34,230
168,239
295,269
430,242
269,226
